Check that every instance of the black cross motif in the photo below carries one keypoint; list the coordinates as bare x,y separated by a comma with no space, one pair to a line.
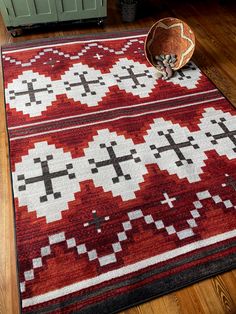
85,83
231,135
31,92
181,73
52,62
134,77
176,147
46,177
96,221
114,161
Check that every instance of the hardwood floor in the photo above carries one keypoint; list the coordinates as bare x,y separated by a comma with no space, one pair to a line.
214,24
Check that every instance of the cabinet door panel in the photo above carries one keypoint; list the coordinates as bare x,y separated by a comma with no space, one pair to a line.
89,5
43,10
21,8
23,12
93,8
5,13
43,6
80,9
69,5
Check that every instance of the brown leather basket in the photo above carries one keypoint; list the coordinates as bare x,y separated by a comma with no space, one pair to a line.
170,36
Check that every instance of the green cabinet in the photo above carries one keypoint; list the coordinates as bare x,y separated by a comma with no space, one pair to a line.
23,12
19,13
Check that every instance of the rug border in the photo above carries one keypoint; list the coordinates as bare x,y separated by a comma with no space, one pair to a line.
151,297
66,39
70,38
135,295
11,188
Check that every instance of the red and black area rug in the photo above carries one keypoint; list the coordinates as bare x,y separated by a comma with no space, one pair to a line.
124,185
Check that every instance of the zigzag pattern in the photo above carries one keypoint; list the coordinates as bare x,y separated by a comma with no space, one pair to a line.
76,56
123,236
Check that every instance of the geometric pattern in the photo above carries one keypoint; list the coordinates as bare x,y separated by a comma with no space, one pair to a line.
134,77
175,149
116,164
74,56
219,132
124,184
30,93
84,84
89,86
184,79
122,236
48,174
127,225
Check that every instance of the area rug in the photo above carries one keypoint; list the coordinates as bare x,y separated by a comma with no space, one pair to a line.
124,185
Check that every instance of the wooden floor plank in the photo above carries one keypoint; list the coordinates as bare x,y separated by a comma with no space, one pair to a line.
229,282
220,287
209,300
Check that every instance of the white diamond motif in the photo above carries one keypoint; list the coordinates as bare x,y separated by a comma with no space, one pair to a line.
31,93
218,131
134,77
85,84
115,164
175,149
50,179
187,77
